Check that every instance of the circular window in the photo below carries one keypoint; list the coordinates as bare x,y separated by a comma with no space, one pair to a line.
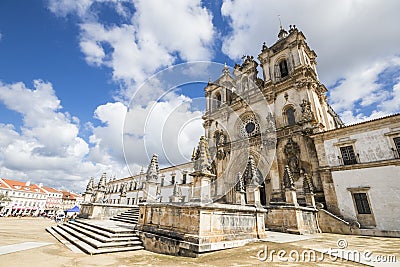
248,126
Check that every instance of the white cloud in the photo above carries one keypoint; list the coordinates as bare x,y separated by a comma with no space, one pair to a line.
364,95
65,7
156,36
355,42
47,148
345,34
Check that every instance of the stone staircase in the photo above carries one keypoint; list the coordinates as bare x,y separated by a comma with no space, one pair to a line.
131,216
100,236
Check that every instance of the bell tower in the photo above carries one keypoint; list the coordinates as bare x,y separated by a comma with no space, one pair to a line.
292,87
269,120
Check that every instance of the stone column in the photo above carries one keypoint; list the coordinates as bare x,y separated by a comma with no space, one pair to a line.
291,196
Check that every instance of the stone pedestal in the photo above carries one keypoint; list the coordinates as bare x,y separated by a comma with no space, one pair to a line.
291,197
253,195
310,200
87,198
177,199
150,192
201,187
99,197
240,198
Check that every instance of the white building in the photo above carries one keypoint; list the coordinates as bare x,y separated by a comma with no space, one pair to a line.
26,198
361,167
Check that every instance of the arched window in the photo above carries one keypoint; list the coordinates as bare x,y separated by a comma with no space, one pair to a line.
217,100
283,68
290,116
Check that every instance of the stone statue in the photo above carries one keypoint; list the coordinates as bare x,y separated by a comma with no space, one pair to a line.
307,114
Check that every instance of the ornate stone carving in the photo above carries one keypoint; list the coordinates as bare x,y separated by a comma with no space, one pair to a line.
239,183
248,126
292,151
307,114
89,187
307,184
288,182
153,170
251,176
201,156
102,183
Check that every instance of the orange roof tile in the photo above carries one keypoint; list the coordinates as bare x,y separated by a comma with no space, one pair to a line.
22,186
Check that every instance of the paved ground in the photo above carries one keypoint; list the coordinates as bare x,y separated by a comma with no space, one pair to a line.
33,246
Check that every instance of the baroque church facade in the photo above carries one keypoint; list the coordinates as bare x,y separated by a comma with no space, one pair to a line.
276,144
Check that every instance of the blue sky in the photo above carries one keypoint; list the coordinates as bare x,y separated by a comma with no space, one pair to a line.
69,69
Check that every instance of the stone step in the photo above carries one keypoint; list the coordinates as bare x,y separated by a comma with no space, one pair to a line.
63,241
128,214
126,229
88,248
123,220
126,217
102,232
95,243
100,237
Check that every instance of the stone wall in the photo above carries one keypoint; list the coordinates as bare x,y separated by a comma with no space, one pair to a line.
191,229
297,220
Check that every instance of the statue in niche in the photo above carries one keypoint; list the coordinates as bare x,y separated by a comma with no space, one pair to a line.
292,151
307,114
220,142
270,123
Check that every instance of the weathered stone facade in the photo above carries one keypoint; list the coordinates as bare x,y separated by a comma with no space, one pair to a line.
273,154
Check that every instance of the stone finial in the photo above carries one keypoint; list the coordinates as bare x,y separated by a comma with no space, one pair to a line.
307,184
102,183
153,169
90,186
239,183
201,156
177,192
251,174
288,178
